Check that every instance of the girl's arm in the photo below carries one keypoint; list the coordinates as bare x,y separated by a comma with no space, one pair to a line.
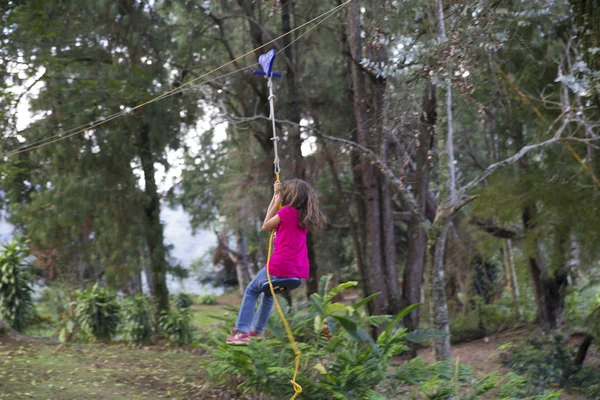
272,219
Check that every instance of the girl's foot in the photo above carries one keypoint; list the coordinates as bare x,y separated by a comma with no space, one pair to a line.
252,333
239,339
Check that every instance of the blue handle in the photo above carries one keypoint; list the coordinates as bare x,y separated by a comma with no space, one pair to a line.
274,74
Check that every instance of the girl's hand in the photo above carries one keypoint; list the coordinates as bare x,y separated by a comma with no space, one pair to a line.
277,198
277,187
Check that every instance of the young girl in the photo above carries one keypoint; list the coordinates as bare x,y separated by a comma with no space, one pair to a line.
300,213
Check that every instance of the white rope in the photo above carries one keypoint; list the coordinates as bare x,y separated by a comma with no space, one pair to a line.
275,138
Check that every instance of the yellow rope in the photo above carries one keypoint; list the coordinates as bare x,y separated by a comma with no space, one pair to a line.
288,330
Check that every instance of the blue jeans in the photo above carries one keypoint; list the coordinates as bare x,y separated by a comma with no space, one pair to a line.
247,318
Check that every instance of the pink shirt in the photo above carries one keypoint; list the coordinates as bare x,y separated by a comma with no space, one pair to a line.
290,256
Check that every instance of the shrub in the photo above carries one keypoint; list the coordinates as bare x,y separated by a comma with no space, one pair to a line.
183,300
207,299
546,359
342,362
16,306
98,312
176,325
137,319
53,301
346,363
451,380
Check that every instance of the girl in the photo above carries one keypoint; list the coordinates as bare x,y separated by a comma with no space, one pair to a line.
300,213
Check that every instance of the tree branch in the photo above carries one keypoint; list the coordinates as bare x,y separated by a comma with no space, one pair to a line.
511,160
497,231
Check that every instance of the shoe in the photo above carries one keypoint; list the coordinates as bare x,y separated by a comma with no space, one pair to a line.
252,334
239,339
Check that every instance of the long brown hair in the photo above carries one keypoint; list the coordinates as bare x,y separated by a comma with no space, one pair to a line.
300,195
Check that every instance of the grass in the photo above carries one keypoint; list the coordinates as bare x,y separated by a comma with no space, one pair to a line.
39,370
46,370
203,316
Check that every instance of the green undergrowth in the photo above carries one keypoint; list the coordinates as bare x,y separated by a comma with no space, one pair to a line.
340,359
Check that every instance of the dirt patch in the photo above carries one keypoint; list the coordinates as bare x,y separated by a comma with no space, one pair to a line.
483,354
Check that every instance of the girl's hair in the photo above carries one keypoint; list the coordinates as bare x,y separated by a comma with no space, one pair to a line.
300,195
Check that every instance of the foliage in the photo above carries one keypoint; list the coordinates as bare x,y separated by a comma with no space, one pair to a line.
137,319
53,301
483,319
546,359
348,363
207,299
183,300
98,312
343,362
579,304
16,306
449,380
176,325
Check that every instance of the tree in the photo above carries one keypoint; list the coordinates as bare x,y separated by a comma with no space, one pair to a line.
127,51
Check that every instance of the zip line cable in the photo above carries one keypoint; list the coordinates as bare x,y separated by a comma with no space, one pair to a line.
86,127
118,114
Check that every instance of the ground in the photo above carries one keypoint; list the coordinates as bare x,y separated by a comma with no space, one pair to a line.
43,369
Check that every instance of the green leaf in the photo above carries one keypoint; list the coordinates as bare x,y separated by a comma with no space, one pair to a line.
339,289
324,284
333,308
365,301
401,314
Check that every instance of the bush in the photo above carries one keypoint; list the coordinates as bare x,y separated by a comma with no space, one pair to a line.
98,312
343,359
546,359
137,320
207,299
176,325
344,362
183,300
483,319
53,301
451,380
16,305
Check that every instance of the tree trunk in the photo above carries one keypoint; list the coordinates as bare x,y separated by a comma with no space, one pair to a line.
374,279
153,226
511,277
439,309
548,289
583,349
293,101
388,245
358,255
379,139
448,204
243,250
417,236
241,267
